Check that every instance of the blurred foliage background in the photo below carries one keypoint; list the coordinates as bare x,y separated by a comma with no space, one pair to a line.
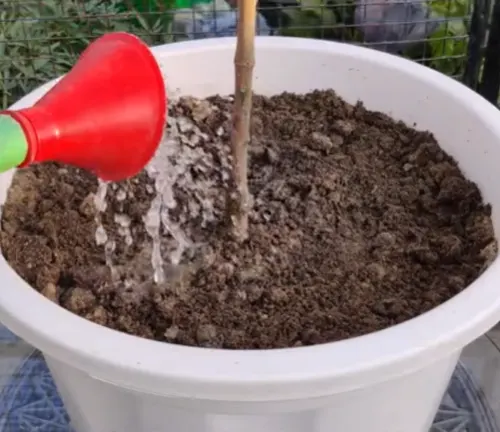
41,39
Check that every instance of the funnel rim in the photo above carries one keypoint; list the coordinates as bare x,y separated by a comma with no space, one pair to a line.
161,103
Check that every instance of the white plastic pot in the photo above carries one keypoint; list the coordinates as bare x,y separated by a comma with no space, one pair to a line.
388,381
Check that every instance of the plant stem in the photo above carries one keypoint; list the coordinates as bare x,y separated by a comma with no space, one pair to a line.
244,61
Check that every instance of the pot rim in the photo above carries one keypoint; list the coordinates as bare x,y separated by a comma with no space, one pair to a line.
259,375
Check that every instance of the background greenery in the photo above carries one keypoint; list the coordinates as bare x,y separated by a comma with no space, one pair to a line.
445,50
40,40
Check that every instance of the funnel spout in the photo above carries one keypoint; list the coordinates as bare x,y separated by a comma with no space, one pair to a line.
13,143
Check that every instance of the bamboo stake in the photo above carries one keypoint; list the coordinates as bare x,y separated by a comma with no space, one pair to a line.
244,61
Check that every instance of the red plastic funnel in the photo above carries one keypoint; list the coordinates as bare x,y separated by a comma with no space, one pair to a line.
106,115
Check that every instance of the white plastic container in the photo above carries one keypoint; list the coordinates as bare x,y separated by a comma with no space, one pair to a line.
388,381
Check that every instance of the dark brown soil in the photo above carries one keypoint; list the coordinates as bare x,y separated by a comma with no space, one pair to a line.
358,223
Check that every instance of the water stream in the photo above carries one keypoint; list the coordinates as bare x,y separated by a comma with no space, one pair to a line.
156,220
101,236
164,173
182,151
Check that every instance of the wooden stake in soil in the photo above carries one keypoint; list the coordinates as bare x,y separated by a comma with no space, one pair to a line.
244,61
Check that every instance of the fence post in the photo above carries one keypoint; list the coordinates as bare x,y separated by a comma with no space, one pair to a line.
477,34
490,81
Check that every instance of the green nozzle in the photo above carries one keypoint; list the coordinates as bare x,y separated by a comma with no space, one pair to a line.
13,144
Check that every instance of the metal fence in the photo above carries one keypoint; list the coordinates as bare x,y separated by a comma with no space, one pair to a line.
41,39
